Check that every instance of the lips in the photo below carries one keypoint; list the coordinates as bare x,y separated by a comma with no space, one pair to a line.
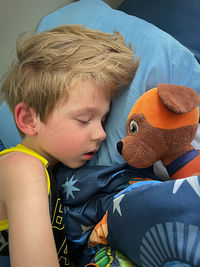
90,155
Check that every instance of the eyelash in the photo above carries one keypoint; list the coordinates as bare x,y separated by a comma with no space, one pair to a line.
103,122
88,121
83,122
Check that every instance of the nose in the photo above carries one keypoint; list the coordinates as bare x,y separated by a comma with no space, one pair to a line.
120,146
99,134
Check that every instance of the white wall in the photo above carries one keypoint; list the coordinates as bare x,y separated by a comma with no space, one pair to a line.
17,16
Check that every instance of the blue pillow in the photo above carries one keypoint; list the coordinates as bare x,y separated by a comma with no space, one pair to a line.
162,60
2,147
180,18
9,135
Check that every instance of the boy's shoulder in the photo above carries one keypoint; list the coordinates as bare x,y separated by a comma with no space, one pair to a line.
18,159
22,177
19,167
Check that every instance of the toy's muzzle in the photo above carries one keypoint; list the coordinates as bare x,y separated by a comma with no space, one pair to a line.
120,146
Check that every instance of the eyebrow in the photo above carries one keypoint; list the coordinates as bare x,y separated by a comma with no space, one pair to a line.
81,110
92,110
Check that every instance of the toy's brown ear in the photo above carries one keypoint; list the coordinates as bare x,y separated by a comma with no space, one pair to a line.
177,98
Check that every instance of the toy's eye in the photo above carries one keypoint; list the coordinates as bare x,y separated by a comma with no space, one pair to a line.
133,127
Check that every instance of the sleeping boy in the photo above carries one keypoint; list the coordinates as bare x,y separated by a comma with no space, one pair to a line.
59,91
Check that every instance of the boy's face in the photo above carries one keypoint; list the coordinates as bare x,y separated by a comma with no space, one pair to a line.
74,132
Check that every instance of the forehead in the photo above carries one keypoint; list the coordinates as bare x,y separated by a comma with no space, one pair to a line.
89,91
85,96
105,87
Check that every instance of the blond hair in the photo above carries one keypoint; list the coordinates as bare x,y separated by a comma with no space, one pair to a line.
49,62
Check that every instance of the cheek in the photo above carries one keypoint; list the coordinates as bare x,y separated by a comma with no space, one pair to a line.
64,136
71,138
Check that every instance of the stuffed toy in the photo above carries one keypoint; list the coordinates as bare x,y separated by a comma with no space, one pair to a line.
160,126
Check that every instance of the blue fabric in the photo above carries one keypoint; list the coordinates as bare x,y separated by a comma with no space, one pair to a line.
180,18
158,224
94,188
2,147
9,135
4,261
163,60
86,194
149,221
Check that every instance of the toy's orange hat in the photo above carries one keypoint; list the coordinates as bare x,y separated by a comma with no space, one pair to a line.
176,105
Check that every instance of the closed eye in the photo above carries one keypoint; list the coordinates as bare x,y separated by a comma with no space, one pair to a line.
104,119
83,121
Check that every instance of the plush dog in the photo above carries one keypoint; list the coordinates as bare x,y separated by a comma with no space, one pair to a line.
161,126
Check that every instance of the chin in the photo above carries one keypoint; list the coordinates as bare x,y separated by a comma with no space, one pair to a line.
76,165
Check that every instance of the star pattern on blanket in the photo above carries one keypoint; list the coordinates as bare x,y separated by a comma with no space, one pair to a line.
69,187
193,182
86,228
116,204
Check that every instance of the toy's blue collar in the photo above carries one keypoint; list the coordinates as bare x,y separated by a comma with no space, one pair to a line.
178,163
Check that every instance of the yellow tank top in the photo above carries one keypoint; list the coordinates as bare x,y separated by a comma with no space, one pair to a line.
22,148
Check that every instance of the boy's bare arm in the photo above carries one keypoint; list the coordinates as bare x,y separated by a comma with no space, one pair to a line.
23,191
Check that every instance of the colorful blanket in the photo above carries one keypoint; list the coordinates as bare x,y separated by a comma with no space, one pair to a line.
153,224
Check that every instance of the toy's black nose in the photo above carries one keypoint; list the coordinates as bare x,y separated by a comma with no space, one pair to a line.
120,146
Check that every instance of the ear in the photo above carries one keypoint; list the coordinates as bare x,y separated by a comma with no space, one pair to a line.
177,98
25,119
